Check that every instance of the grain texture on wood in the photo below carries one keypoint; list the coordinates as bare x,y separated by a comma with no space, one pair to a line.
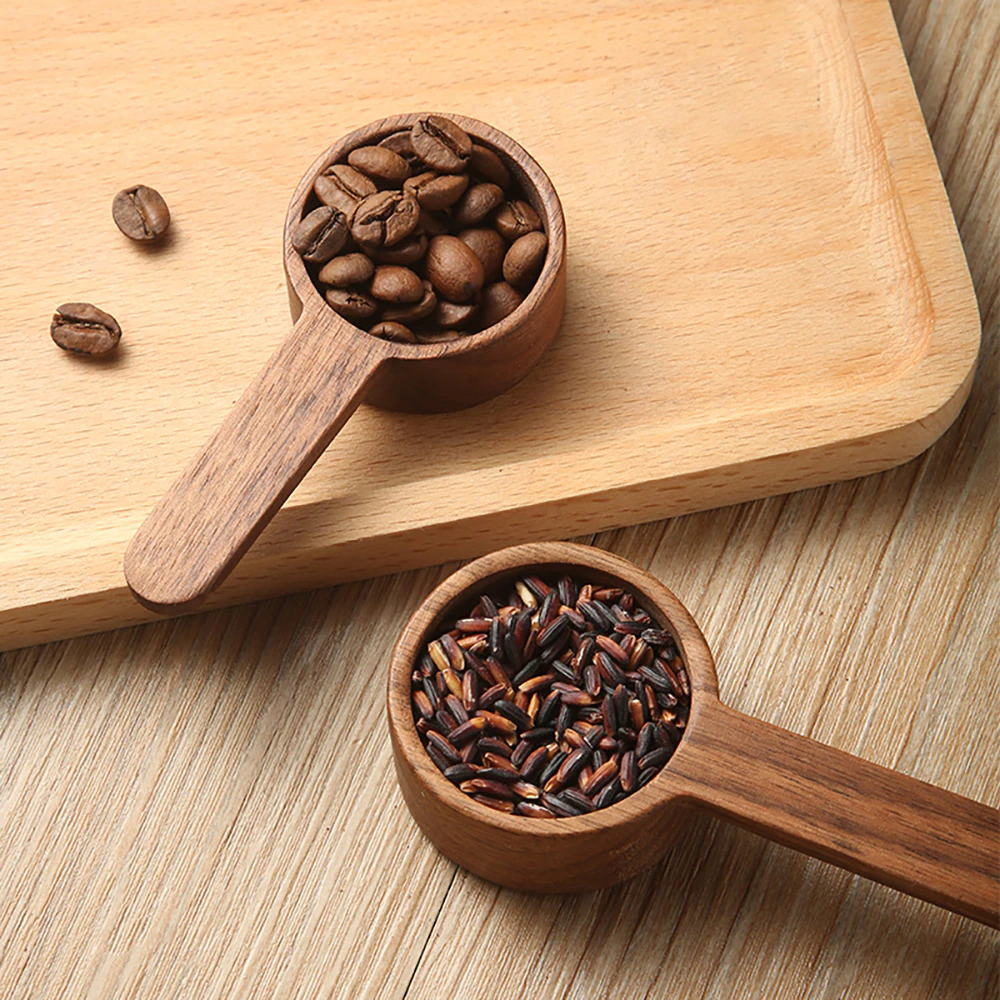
178,812
889,827
796,309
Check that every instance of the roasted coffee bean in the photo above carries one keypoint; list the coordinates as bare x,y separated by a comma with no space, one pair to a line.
354,306
341,186
393,283
439,337
349,269
476,204
383,166
141,213
453,268
385,218
401,144
497,302
432,224
435,191
320,235
454,315
405,252
395,332
524,260
441,144
81,328
484,161
514,219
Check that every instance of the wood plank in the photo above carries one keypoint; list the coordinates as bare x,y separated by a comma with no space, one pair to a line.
787,153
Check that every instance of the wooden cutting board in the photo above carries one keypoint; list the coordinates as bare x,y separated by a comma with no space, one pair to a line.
766,289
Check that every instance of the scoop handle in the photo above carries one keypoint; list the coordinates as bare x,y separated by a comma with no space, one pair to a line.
904,833
206,521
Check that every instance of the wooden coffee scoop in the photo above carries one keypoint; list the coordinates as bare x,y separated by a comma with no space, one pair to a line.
879,823
326,367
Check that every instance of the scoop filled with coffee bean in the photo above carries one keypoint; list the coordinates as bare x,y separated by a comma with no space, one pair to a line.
423,237
426,264
554,714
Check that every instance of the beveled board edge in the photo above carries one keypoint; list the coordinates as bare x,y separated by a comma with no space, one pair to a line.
913,411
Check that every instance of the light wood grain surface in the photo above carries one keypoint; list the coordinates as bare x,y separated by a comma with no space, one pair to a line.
765,289
206,807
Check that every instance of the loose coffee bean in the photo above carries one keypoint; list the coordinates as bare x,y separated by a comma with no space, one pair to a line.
436,191
407,251
497,302
585,763
515,219
453,315
453,268
489,246
350,269
386,168
395,332
141,213
476,204
321,234
343,187
396,284
525,259
354,306
385,218
414,313
484,161
82,328
441,144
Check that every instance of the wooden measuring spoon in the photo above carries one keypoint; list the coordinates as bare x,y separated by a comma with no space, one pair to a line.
326,367
884,825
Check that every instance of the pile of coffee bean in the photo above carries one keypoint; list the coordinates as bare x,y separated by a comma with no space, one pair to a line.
554,700
422,238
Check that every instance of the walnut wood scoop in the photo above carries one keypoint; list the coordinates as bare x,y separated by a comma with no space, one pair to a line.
326,367
899,831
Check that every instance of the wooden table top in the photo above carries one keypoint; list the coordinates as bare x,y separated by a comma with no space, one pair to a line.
206,807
